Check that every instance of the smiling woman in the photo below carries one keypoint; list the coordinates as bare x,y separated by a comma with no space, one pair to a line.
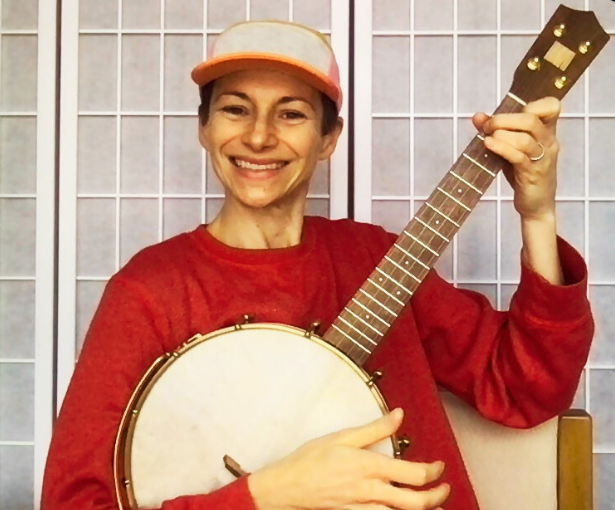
265,133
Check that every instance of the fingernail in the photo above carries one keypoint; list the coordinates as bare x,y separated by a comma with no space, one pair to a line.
396,413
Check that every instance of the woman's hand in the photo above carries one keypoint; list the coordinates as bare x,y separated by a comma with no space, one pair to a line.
517,137
336,472
528,141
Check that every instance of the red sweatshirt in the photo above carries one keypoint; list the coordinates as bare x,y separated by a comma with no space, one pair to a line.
518,368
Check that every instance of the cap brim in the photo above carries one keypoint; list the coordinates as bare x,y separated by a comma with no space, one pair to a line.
221,66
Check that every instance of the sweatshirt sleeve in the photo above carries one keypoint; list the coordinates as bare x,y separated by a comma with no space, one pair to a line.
122,342
520,367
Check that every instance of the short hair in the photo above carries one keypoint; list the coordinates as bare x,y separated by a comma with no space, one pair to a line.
329,109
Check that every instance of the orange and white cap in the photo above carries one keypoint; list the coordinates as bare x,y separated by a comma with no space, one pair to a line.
288,47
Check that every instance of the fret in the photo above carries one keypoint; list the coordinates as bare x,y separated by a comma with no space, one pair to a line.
434,220
404,270
387,292
442,214
395,281
363,321
518,99
432,229
382,305
357,330
453,198
411,256
421,243
371,312
466,182
478,164
399,256
351,339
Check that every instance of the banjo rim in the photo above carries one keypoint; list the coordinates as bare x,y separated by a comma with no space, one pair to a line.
122,468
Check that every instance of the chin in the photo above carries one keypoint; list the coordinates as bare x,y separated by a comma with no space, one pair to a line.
257,201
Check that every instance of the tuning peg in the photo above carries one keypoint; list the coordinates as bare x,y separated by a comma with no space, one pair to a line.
561,82
584,47
534,64
560,30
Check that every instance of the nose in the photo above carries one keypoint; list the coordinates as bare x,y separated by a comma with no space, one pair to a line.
260,134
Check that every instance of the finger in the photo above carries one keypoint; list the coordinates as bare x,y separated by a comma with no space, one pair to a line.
547,108
478,119
366,435
507,151
523,142
528,122
409,499
416,474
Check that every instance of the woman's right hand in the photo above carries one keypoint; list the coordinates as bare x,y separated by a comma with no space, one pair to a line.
336,472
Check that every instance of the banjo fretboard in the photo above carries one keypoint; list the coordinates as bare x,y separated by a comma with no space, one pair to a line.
370,313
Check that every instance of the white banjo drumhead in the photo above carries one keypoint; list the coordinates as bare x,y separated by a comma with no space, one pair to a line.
255,394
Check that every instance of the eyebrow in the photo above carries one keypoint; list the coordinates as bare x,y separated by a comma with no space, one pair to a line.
283,100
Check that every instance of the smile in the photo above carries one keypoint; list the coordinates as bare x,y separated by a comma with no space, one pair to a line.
248,165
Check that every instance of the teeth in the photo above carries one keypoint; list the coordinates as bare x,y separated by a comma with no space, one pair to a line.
252,166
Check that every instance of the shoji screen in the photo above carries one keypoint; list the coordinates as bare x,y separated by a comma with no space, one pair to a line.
27,169
423,68
132,170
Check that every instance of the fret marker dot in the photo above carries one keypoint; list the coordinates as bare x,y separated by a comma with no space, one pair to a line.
486,156
379,279
437,222
398,292
459,190
367,316
406,262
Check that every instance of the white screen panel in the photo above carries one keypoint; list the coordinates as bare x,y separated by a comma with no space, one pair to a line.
391,15
98,73
477,14
19,14
317,14
140,14
18,155
140,73
18,81
18,316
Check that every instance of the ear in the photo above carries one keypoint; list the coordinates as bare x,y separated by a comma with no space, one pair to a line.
329,142
203,134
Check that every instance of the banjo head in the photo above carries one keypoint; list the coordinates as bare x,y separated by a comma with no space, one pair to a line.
255,393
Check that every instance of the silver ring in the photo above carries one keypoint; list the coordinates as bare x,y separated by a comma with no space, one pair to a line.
542,153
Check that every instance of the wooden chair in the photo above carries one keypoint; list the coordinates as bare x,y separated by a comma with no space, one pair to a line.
548,467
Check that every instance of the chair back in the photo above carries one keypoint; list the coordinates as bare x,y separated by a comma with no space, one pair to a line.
509,468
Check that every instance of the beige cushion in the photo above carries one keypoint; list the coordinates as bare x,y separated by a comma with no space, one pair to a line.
509,468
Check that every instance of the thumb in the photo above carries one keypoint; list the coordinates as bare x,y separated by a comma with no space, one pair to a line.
371,433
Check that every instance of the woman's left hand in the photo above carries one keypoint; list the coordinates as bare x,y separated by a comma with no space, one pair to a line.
518,137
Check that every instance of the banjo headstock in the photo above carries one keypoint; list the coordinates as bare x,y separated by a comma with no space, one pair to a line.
569,42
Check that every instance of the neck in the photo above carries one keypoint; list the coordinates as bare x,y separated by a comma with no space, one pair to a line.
273,226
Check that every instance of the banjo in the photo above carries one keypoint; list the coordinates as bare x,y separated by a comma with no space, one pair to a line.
264,372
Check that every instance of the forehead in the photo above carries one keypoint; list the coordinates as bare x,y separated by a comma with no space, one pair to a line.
257,83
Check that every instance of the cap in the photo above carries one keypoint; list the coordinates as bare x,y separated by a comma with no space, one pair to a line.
288,47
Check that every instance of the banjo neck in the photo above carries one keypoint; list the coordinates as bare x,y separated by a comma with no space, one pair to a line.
567,45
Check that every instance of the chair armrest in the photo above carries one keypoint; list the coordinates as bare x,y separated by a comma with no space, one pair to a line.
574,459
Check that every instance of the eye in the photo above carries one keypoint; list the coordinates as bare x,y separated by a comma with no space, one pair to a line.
293,115
235,111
